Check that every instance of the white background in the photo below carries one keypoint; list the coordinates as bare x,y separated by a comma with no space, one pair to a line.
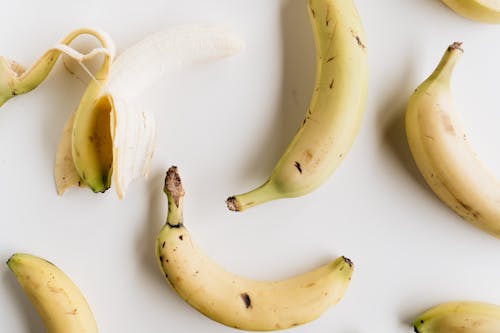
225,124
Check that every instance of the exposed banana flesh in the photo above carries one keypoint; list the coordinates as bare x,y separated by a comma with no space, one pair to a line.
459,317
486,11
15,80
442,154
112,133
235,301
58,301
335,112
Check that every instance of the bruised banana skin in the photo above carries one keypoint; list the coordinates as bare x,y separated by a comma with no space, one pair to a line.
113,136
335,112
486,11
58,301
235,301
442,153
15,80
459,317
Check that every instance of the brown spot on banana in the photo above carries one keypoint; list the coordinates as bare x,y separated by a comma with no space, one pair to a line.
246,299
298,166
448,125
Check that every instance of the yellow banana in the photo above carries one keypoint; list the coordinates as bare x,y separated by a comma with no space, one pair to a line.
487,11
335,112
459,317
59,302
235,301
442,154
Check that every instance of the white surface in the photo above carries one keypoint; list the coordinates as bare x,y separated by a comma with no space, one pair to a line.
225,125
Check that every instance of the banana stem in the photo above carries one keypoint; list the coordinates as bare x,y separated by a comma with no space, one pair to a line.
175,195
444,70
264,193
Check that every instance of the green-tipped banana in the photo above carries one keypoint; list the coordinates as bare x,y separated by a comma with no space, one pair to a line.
486,11
14,80
459,317
442,154
235,301
59,302
335,112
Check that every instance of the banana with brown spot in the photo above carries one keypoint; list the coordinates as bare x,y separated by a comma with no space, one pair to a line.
235,301
335,112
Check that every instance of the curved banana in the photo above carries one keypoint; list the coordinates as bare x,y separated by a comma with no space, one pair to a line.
442,154
486,11
112,136
235,301
454,317
335,112
15,80
59,302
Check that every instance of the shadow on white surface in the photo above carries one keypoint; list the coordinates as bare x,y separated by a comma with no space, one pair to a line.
391,118
297,84
152,224
31,320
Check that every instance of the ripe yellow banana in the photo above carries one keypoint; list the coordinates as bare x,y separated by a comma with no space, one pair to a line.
442,154
59,302
335,112
112,136
15,80
235,301
487,11
459,317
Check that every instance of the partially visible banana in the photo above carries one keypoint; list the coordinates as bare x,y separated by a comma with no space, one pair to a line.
112,136
486,11
443,156
459,317
58,301
235,301
15,80
335,112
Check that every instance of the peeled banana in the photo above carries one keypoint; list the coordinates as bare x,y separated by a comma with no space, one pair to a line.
59,302
486,11
459,317
335,112
442,154
235,301
112,135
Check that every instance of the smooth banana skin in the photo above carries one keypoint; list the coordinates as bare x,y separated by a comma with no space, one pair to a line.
459,317
15,80
58,301
486,11
442,154
235,301
335,112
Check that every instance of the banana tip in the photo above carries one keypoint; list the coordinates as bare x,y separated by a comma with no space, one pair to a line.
348,261
232,204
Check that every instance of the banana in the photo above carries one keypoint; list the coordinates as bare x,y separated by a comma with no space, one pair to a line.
235,301
16,80
486,11
442,154
335,112
112,135
456,317
59,302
